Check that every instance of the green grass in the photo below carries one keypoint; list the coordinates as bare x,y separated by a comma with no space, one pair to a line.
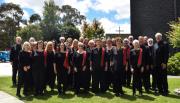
52,97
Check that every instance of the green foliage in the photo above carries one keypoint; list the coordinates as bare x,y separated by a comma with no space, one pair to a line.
94,30
31,31
34,18
174,64
3,39
174,34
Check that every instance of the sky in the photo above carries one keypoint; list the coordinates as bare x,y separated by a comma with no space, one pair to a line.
111,13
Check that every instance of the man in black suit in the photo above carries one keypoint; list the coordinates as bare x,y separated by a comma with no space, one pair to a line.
14,58
161,55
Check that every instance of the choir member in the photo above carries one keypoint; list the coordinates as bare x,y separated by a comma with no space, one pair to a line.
146,73
79,63
118,70
61,39
136,67
14,59
38,68
98,67
161,55
131,38
62,68
24,72
126,64
48,61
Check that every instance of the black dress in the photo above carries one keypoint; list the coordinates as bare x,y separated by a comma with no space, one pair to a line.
38,71
118,71
62,72
80,75
25,59
50,75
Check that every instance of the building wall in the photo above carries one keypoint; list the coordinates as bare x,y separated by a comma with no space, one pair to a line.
151,16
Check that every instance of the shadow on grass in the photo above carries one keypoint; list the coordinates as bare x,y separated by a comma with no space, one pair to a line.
146,97
107,95
128,97
66,96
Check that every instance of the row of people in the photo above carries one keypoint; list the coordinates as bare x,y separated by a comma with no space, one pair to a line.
95,64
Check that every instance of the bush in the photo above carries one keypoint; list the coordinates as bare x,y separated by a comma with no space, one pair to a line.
174,64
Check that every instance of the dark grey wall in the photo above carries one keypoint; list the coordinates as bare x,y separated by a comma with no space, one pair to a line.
151,16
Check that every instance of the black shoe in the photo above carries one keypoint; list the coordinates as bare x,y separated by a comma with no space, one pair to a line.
18,95
117,94
25,94
134,94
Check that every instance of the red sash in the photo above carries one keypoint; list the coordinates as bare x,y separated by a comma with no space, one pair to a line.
45,57
102,57
126,53
84,58
140,57
66,61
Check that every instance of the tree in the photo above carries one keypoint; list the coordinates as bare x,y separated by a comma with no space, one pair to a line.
32,30
93,30
174,34
34,18
10,19
71,15
50,20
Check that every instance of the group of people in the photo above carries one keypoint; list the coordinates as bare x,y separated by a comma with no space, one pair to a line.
92,65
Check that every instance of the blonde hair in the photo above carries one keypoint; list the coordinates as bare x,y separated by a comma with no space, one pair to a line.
26,44
48,44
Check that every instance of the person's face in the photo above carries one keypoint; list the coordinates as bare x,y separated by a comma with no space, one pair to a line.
126,43
18,41
131,39
109,43
141,40
150,43
91,45
136,45
158,38
27,47
80,47
118,43
40,46
62,46
50,46
98,43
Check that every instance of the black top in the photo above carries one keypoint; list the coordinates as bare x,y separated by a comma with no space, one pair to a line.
118,59
25,59
14,54
77,60
37,60
134,56
59,60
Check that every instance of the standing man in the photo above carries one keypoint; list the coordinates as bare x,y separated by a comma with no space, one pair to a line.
161,55
14,55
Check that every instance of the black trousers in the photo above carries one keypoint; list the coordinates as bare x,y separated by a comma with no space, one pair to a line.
50,79
117,81
127,76
99,83
137,80
162,82
146,79
62,81
154,73
38,80
15,68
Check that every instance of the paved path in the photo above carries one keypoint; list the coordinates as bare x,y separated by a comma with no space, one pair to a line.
6,98
6,70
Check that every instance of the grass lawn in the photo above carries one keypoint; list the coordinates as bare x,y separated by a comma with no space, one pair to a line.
52,97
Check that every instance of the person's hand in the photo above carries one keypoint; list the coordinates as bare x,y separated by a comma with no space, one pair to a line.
142,69
111,63
106,68
11,63
28,67
91,68
84,68
163,66
69,70
55,71
25,69
132,70
75,69
126,68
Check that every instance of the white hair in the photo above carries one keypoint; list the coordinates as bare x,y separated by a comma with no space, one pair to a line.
135,41
158,34
91,41
25,44
62,38
150,44
125,40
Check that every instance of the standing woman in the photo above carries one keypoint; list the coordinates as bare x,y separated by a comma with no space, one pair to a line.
49,61
38,68
118,70
25,60
136,67
79,62
62,68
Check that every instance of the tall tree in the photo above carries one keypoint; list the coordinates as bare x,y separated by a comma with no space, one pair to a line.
34,18
50,20
10,19
71,15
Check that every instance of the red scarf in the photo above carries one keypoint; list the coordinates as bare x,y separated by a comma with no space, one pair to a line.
66,61
126,53
84,58
140,57
45,57
102,57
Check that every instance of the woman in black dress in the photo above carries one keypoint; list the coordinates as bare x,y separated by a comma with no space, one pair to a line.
24,72
38,68
50,75
79,62
118,68
62,68
136,67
